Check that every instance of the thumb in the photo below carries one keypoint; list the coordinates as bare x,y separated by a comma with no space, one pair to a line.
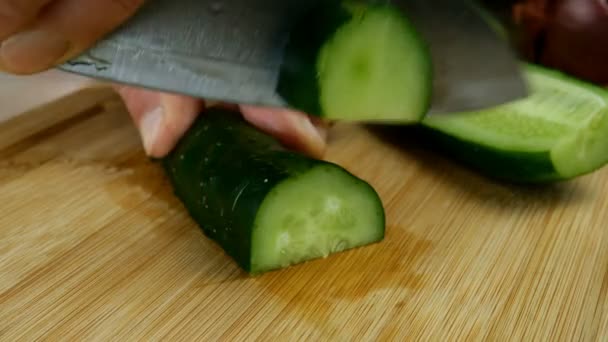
62,30
161,118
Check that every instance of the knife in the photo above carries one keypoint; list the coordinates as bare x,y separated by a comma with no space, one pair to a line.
231,50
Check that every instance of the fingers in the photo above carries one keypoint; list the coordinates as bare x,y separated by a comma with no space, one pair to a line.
15,14
294,129
36,35
161,118
63,30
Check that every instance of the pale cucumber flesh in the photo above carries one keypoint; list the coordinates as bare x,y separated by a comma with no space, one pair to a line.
313,215
375,68
563,117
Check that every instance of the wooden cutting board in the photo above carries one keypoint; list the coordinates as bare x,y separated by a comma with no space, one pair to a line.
93,246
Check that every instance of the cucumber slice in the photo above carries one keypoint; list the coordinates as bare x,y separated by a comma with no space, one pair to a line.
266,206
354,61
297,221
558,133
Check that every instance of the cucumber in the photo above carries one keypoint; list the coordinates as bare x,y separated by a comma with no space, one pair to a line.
266,206
557,133
357,62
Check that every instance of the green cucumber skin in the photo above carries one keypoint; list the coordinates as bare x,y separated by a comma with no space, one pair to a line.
223,169
218,157
298,82
512,166
531,167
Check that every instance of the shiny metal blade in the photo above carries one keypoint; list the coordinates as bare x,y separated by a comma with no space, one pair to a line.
231,50
474,67
226,50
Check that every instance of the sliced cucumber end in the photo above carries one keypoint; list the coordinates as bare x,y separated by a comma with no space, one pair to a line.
585,150
376,69
557,133
298,223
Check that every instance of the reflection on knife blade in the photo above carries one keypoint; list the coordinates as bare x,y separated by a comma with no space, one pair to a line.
234,52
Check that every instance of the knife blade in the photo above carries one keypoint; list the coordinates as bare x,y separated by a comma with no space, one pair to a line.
231,50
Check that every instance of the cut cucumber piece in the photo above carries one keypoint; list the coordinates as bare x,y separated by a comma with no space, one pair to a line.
558,133
354,61
266,206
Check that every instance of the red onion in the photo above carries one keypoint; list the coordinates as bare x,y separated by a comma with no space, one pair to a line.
569,35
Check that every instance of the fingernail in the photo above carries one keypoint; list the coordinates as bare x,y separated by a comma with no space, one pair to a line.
32,51
149,128
315,136
309,128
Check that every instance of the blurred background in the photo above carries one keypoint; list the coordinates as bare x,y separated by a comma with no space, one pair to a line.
20,94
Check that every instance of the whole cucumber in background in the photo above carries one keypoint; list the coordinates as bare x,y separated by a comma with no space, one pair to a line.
560,131
557,133
266,206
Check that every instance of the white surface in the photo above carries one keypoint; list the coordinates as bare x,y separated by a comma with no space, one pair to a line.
19,94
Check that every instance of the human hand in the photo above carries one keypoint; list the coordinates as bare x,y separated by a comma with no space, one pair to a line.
36,35
163,118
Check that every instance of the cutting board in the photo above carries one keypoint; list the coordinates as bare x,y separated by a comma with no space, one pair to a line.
94,246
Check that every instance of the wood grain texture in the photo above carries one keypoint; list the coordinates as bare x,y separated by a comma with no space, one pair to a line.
93,246
19,94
